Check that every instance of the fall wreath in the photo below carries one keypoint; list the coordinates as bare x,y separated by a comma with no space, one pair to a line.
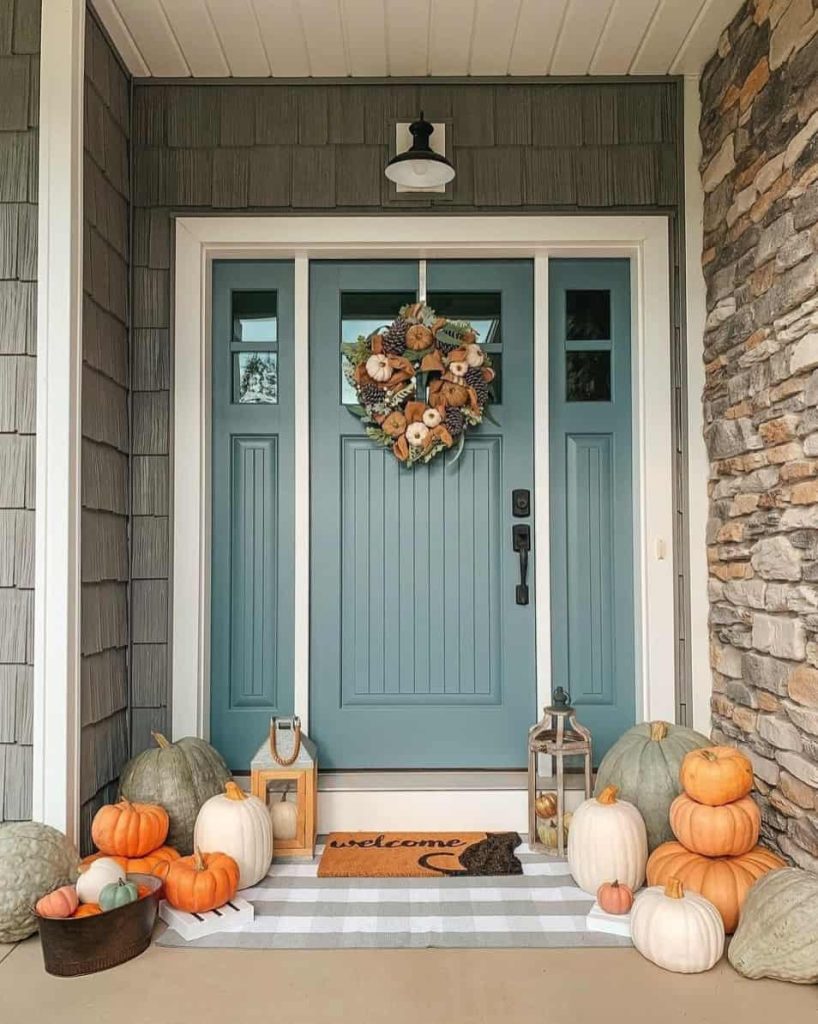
421,383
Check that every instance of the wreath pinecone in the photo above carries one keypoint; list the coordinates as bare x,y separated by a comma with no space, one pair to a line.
394,338
370,394
453,421
474,378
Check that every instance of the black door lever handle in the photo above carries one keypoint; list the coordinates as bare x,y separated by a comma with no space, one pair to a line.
521,542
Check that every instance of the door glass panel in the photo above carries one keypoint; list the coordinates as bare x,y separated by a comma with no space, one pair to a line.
588,376
587,314
361,314
255,318
255,378
483,311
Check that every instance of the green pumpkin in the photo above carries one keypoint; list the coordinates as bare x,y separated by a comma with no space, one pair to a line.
34,860
644,764
777,934
117,894
179,777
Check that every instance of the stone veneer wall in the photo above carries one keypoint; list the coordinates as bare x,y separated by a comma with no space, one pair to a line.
759,133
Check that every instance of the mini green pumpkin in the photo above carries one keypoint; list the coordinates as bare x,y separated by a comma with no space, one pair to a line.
179,777
644,765
117,894
35,859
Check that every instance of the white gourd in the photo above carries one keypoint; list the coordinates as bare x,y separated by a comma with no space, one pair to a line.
677,930
285,818
239,825
607,841
96,876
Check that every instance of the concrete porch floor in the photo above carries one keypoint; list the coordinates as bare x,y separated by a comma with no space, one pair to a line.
174,986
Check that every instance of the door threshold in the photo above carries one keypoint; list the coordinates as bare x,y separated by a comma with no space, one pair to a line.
477,780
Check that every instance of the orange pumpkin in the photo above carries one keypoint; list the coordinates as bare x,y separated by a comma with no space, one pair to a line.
61,902
142,891
716,775
725,881
129,830
614,898
726,831
156,863
201,882
87,910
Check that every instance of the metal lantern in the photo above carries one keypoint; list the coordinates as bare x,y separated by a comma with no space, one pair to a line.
284,774
558,735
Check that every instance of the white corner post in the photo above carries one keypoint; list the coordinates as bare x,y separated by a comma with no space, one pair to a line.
698,464
59,382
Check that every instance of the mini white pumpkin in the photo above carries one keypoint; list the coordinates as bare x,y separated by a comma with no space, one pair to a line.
284,813
459,368
239,825
432,418
416,434
475,356
378,368
607,840
680,931
96,876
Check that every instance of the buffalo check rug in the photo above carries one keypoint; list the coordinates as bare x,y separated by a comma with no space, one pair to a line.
295,909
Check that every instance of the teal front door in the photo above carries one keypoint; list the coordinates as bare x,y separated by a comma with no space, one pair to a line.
251,652
420,655
591,506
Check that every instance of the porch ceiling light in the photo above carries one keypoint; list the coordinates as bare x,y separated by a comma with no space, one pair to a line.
419,166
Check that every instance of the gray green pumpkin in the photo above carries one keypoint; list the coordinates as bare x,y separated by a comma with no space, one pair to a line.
178,776
777,934
644,764
35,859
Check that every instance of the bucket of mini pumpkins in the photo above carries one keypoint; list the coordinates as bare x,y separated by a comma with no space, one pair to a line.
84,945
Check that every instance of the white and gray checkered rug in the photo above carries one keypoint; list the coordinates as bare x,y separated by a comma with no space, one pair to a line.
295,909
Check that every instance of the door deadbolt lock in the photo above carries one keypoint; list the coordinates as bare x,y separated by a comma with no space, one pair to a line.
520,503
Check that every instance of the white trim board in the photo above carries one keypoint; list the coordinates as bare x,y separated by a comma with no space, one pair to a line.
644,240
56,733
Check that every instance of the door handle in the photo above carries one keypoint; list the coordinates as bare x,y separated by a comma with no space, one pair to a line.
521,542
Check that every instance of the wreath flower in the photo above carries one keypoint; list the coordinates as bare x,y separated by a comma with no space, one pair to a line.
421,383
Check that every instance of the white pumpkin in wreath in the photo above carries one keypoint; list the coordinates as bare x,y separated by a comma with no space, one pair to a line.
378,368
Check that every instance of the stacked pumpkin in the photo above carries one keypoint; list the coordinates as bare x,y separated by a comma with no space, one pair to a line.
716,824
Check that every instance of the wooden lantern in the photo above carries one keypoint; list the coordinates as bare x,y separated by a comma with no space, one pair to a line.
285,767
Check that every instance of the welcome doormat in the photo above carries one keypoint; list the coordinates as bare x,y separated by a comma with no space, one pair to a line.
419,855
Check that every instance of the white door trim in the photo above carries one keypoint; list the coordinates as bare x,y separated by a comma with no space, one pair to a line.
643,239
56,726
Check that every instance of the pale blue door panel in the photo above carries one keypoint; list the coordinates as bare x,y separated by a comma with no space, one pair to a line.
251,659
420,657
592,531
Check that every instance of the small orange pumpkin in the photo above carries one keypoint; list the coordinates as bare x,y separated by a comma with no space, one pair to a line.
716,775
129,830
142,891
61,902
725,881
614,898
87,910
156,862
727,831
201,882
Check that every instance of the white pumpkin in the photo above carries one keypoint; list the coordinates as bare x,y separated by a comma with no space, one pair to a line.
239,825
607,841
416,434
285,818
378,368
96,876
459,368
475,356
680,931
432,418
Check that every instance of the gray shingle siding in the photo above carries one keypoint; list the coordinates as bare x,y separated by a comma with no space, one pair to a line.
19,98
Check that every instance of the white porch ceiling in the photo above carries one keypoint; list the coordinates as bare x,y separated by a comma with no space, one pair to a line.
378,38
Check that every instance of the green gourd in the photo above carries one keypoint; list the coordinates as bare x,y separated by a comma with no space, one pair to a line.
179,777
644,765
777,934
117,894
35,859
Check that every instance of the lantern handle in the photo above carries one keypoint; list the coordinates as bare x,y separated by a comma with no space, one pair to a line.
285,762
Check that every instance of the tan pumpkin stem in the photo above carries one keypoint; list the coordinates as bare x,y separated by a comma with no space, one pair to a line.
608,795
658,731
674,889
160,740
709,755
198,860
234,792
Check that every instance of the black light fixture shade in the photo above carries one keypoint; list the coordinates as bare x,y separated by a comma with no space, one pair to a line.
420,166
